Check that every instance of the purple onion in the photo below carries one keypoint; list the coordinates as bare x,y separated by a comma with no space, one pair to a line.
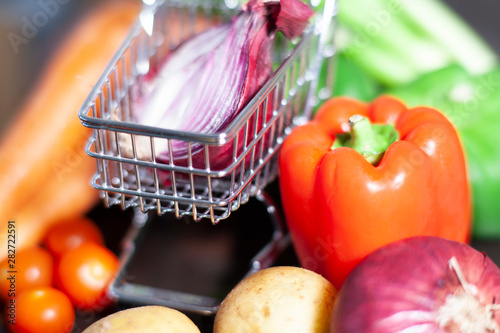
420,284
208,79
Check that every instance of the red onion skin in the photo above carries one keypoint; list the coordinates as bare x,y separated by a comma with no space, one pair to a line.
400,287
259,20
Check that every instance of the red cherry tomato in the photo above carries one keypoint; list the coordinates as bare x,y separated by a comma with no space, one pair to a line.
85,273
68,235
26,269
45,309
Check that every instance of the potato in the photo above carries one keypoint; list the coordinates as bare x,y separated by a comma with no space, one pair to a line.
144,319
278,299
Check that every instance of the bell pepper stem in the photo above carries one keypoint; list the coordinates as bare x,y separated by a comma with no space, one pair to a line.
364,140
369,140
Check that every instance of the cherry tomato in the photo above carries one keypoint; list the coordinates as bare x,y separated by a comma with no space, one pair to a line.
28,268
85,273
68,235
45,309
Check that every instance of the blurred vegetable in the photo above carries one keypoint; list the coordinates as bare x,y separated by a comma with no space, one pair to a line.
278,299
349,187
472,103
42,310
352,81
45,173
84,275
428,55
31,267
398,41
69,234
208,79
420,284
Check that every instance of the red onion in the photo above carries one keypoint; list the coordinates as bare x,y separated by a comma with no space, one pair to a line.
208,79
420,284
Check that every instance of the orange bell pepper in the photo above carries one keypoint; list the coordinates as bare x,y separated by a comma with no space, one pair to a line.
350,185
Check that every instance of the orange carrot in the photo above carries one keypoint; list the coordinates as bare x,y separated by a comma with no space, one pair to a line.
44,171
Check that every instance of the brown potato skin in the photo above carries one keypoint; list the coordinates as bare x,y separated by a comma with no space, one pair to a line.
278,299
149,318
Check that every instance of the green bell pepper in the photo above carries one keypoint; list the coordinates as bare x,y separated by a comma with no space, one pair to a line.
352,81
398,41
472,103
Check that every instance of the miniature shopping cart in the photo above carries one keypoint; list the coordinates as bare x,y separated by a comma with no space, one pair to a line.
254,137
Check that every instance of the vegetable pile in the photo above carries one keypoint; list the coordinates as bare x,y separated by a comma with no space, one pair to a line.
45,173
381,192
273,300
375,190
417,284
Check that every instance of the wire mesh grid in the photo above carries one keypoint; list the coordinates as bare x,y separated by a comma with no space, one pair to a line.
220,171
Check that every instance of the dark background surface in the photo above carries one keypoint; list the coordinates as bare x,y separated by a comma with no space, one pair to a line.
216,256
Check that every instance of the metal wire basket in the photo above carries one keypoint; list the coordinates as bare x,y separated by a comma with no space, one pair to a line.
254,137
